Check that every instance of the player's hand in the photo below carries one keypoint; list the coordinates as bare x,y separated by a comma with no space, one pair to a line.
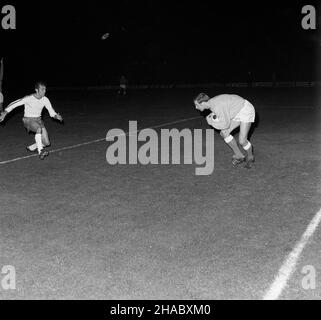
59,117
3,115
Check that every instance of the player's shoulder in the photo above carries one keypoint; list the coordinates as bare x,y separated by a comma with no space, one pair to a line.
219,97
45,99
236,96
226,96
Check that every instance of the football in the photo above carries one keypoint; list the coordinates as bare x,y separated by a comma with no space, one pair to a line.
105,36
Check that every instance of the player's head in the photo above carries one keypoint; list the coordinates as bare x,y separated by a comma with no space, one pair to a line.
40,88
200,101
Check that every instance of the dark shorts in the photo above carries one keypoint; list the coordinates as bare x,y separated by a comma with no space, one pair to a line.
33,124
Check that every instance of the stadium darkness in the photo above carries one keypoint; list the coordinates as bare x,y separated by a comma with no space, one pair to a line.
157,42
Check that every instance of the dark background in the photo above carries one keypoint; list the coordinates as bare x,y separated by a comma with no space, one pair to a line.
158,42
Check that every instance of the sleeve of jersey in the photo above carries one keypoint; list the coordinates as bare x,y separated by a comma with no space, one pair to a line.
15,104
50,109
222,120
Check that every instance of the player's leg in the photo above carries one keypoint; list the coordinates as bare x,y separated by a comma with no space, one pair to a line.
40,146
230,140
122,89
30,127
35,126
244,142
247,117
38,138
45,137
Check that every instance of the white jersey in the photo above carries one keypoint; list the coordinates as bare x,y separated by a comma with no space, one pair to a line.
33,106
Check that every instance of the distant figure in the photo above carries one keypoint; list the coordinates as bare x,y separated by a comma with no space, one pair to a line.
33,105
250,79
123,82
228,112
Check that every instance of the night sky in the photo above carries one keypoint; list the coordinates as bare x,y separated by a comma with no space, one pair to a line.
158,42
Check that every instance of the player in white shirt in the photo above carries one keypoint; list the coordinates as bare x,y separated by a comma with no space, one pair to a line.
32,121
228,112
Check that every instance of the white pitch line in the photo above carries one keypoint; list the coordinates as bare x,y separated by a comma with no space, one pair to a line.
97,140
290,263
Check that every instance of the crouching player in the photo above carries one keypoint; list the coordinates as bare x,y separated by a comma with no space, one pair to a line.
228,112
33,105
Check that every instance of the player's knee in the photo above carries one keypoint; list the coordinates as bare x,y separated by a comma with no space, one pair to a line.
224,133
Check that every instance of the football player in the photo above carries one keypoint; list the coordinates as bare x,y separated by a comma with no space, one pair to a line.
123,82
33,105
228,112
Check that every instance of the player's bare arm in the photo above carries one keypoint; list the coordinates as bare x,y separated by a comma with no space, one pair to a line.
3,115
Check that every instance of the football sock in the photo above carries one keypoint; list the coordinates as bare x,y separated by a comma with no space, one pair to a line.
234,146
249,150
38,139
